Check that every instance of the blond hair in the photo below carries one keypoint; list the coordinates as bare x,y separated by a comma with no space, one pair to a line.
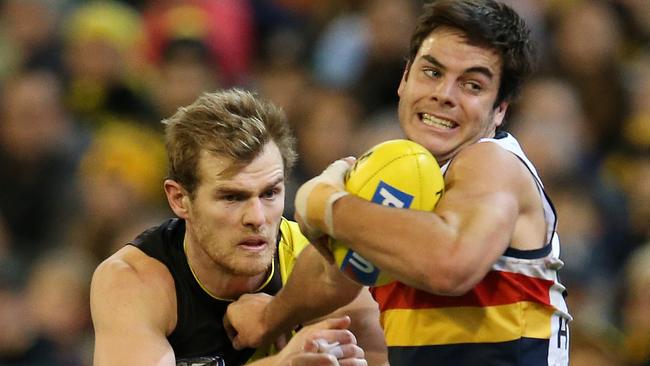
232,123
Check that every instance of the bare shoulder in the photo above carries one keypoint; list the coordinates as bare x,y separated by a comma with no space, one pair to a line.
486,179
129,269
483,177
131,286
487,165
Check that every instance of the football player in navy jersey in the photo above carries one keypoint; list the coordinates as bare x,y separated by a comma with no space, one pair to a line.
161,299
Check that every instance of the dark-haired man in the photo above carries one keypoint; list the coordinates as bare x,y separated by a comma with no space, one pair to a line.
477,277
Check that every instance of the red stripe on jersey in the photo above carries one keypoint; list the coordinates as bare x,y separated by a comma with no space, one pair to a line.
497,288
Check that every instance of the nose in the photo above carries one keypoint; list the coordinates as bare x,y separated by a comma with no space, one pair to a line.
444,92
254,215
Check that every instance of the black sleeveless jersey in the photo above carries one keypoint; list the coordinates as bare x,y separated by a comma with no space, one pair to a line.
199,337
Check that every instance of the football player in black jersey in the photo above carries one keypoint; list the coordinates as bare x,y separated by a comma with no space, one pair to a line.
161,299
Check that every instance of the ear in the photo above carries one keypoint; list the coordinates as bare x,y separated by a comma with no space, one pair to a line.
402,82
178,198
500,113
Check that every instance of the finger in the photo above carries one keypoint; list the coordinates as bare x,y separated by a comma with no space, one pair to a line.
350,160
341,322
353,362
340,164
230,330
337,169
332,336
349,350
314,359
282,341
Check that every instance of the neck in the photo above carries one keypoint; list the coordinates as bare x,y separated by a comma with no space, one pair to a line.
218,281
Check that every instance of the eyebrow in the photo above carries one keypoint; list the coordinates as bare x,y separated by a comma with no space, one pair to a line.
478,69
226,190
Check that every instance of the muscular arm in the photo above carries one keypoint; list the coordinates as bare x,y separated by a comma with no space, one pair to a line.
314,289
448,251
130,310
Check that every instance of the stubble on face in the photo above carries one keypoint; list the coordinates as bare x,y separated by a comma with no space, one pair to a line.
224,252
454,84
216,227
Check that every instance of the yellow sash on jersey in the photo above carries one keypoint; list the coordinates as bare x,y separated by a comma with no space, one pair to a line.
292,242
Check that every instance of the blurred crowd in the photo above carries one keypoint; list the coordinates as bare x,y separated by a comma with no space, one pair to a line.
84,85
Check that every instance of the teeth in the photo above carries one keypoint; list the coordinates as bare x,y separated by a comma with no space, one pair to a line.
430,120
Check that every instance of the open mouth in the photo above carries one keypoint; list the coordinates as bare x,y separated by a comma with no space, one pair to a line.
253,244
433,121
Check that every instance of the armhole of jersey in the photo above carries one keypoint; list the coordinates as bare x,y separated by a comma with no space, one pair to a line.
547,205
284,249
550,214
292,242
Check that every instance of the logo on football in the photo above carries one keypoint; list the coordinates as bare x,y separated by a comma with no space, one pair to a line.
396,173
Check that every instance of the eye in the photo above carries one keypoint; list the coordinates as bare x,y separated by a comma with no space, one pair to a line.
232,197
432,73
473,86
271,193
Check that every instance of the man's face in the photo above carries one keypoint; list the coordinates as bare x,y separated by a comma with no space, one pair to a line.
234,216
447,95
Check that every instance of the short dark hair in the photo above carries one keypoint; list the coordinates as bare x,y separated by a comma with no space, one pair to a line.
485,23
233,123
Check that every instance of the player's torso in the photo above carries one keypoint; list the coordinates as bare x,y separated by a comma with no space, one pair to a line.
516,315
198,337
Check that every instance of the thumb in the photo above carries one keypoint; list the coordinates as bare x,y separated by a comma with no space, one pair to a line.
237,344
310,346
342,322
337,169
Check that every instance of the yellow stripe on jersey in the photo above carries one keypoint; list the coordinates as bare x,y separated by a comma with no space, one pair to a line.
292,243
438,326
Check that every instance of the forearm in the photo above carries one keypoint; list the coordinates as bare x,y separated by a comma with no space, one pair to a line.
444,252
406,244
314,289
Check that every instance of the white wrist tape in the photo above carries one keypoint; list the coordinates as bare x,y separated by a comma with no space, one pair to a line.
329,208
333,349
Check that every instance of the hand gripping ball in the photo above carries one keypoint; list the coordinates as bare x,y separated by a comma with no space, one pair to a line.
396,173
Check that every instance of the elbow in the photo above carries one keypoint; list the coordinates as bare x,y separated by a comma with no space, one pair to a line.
455,288
448,280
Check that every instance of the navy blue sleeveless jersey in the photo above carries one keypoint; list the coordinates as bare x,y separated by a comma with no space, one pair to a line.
199,337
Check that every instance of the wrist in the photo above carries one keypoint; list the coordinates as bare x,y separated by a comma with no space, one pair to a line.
338,209
278,319
320,210
329,211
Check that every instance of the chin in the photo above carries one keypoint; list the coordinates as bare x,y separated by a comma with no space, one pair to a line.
250,271
434,144
252,266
